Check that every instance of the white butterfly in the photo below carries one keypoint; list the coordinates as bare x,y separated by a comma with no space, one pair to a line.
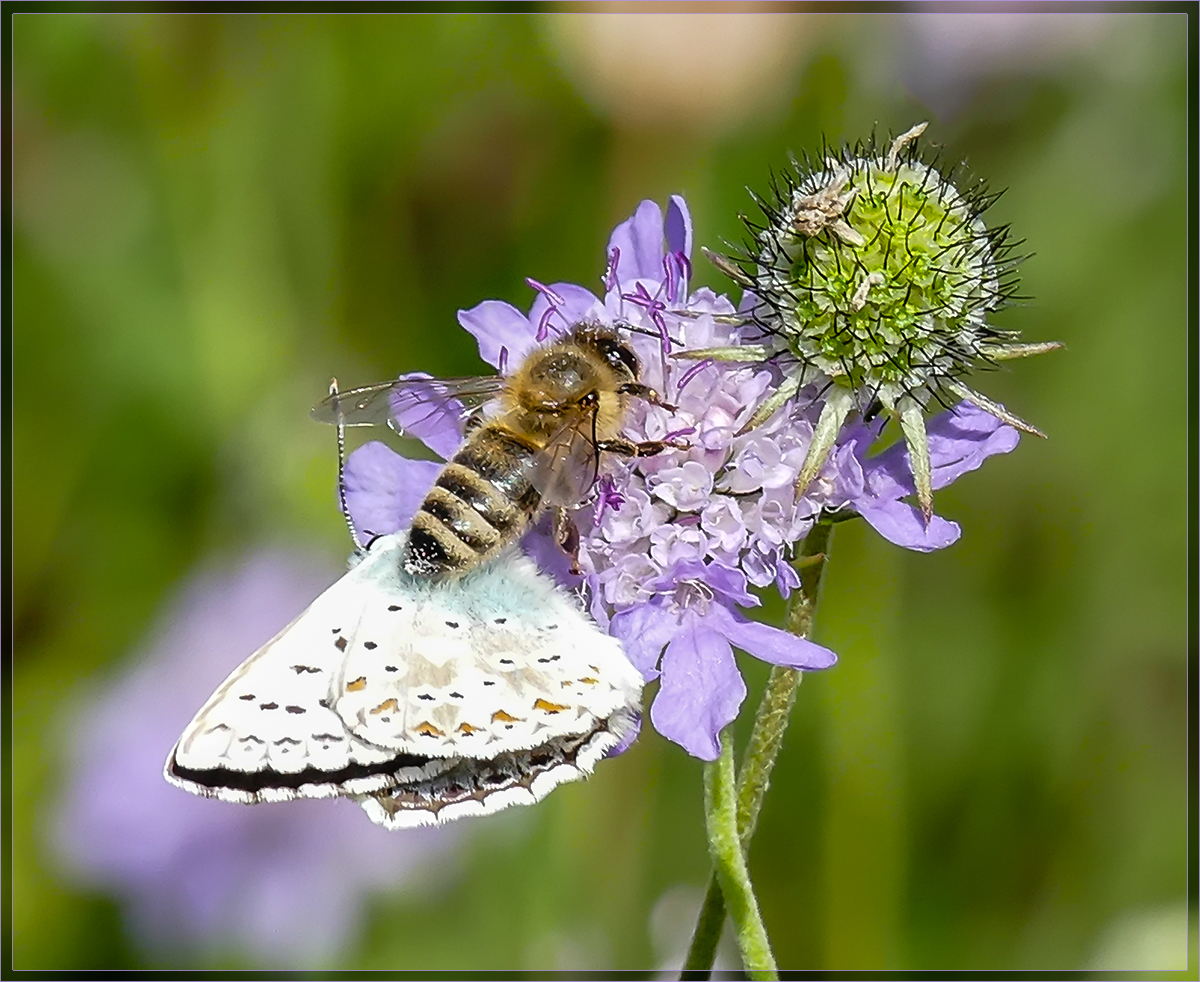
423,701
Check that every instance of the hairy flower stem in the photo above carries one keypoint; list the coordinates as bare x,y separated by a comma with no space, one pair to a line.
770,722
729,863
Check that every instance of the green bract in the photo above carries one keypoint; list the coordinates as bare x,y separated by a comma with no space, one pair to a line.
875,272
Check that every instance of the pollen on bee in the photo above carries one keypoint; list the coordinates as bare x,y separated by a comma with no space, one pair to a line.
429,730
549,707
588,680
466,729
385,705
357,685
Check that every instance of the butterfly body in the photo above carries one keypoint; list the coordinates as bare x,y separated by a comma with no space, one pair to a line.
423,699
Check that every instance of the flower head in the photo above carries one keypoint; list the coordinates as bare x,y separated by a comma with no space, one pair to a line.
873,276
670,544
286,885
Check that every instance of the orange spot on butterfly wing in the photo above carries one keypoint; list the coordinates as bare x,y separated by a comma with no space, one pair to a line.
500,716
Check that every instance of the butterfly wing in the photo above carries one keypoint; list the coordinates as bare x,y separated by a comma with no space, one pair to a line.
498,661
510,677
425,701
269,732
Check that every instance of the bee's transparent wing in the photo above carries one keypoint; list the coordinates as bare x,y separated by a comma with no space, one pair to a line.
413,404
567,466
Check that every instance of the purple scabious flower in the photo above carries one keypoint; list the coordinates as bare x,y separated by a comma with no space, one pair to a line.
671,544
286,886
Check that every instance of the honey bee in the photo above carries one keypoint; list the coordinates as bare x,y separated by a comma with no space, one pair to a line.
533,440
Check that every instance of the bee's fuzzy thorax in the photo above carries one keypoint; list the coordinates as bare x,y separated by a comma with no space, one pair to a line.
542,441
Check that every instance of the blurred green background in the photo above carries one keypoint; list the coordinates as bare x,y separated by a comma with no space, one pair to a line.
214,214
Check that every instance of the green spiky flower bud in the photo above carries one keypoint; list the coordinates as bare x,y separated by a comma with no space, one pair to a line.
876,271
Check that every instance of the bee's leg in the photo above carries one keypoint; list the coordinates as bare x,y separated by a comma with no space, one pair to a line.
647,448
566,534
644,392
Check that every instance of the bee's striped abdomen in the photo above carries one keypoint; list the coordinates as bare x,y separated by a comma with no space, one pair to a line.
482,500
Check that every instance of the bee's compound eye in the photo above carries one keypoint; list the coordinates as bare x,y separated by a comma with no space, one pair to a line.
620,355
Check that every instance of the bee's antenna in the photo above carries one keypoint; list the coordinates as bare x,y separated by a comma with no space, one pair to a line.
632,329
341,456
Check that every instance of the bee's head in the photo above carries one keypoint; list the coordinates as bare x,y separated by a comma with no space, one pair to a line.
605,341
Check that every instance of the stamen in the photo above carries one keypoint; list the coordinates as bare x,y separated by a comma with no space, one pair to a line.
690,593
671,274
654,308
610,271
610,497
503,360
691,373
676,434
678,270
555,301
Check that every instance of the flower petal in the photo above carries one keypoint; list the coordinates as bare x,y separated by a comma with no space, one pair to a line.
539,545
627,740
730,583
423,411
384,490
640,240
496,324
701,689
962,439
905,525
644,630
678,226
767,643
578,304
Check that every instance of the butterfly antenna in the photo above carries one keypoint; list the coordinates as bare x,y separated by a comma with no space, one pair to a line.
341,472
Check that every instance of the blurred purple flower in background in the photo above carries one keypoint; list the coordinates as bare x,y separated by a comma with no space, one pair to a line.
945,59
285,884
670,543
